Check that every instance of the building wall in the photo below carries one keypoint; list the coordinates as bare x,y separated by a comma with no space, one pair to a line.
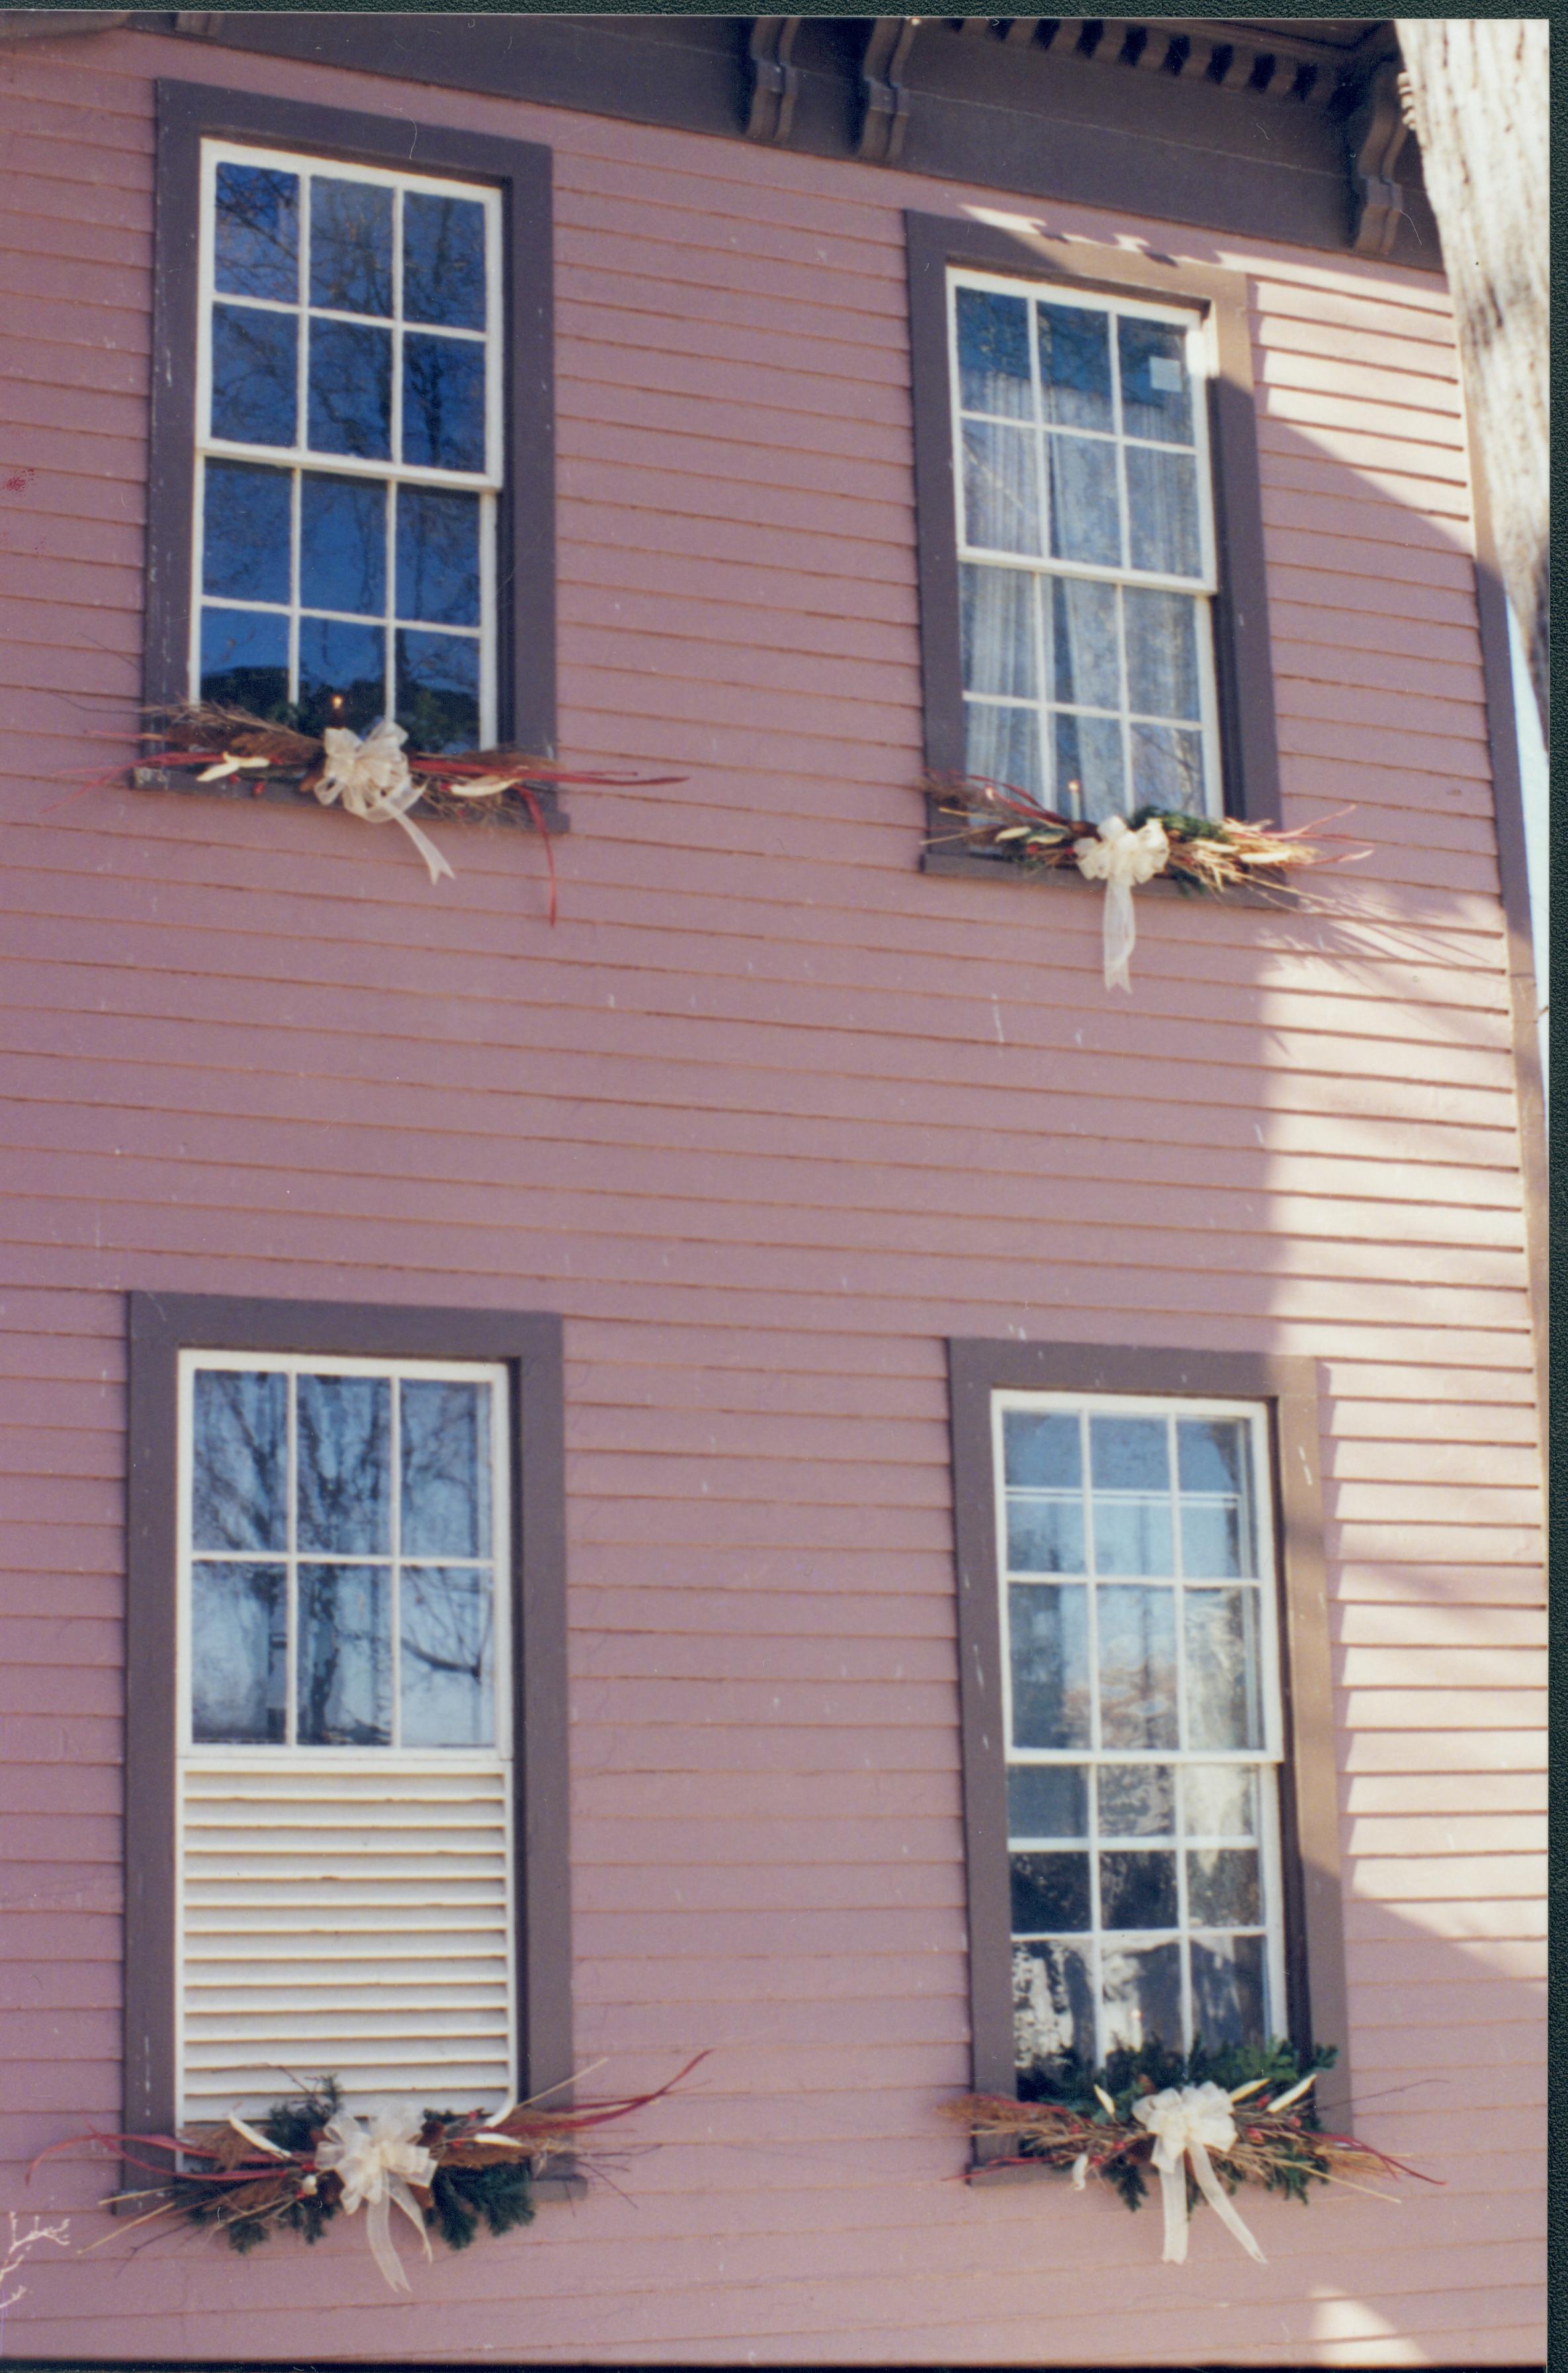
766,1117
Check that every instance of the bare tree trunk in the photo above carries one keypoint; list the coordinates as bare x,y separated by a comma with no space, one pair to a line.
1477,99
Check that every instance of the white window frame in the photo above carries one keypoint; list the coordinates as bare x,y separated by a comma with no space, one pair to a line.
310,1762
1265,1759
1201,365
297,458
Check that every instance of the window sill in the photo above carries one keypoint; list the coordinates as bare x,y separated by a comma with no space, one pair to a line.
288,786
984,2174
970,865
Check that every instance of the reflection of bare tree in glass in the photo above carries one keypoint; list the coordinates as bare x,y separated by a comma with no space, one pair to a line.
437,558
351,247
350,389
344,1424
258,232
445,1625
344,1657
238,1500
253,375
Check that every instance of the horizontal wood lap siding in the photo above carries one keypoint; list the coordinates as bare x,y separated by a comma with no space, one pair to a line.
767,1117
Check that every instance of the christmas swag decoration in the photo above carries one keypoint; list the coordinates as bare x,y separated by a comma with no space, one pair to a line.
373,776
311,2156
1204,854
1206,2123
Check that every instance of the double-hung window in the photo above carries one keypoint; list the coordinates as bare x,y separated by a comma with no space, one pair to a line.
1093,619
352,477
346,1696
1151,1807
1142,1723
349,445
1086,547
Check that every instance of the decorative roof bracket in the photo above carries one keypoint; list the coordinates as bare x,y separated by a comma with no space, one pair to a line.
1375,134
886,102
775,82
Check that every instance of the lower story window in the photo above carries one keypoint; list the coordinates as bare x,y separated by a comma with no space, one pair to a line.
1142,1723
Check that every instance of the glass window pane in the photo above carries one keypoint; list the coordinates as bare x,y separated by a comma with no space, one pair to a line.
1130,1454
254,373
1042,1450
1223,1889
438,556
342,674
245,660
1050,1893
1138,1890
1134,1537
1137,1800
238,1654
1044,1536
446,1469
1219,1800
1086,522
1223,1679
993,355
437,689
1001,488
1141,1988
351,246
345,1446
1156,394
443,259
444,402
1085,660
1048,1644
256,233
1161,503
1075,365
449,1688
1168,768
1090,778
1047,1800
1227,1990
1161,654
1138,1671
245,531
1211,1452
350,389
1211,1543
1003,746
997,626
343,543
1053,2003
239,1460
344,1663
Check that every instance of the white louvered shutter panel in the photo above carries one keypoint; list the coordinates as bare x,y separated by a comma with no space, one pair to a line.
347,1909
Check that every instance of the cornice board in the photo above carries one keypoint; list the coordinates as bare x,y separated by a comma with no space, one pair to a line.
1015,116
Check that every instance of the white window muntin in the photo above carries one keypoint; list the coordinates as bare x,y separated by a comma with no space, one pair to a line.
335,1757
1262,1760
1199,350
300,456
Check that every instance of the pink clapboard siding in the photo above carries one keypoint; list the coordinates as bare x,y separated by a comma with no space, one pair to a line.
768,1115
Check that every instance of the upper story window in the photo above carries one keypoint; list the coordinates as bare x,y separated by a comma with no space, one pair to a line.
1143,1723
1086,547
349,436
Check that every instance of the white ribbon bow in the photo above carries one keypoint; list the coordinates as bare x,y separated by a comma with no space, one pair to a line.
1120,857
372,777
1187,2126
371,2164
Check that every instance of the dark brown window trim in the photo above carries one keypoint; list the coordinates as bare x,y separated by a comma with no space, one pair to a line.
1247,739
160,1326
526,537
1317,2004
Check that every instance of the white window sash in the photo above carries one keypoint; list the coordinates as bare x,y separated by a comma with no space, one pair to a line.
297,458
